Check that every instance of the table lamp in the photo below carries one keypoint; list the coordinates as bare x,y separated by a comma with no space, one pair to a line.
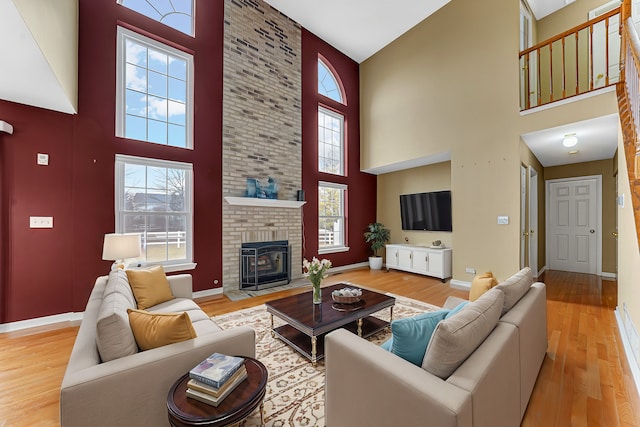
118,247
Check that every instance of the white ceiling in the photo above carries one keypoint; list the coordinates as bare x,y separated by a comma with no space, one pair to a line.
597,140
25,74
358,28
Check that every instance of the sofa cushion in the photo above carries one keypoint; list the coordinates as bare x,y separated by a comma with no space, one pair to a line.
457,337
411,335
150,286
515,287
481,284
119,282
153,330
114,338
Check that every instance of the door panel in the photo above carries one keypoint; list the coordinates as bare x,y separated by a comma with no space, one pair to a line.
573,219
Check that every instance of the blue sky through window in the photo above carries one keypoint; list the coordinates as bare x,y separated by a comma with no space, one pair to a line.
155,95
327,84
176,14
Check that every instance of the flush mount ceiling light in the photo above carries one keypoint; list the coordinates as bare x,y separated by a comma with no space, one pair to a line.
570,140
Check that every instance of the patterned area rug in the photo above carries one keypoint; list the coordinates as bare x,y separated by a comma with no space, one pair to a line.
295,390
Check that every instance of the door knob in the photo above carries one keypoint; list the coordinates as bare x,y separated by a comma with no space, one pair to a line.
592,231
615,234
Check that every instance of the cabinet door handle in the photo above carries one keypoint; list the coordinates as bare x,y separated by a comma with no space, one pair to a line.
411,255
426,258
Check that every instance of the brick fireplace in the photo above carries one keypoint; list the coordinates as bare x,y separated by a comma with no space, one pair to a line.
262,128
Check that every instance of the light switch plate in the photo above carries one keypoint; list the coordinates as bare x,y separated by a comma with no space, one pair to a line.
503,220
43,159
40,222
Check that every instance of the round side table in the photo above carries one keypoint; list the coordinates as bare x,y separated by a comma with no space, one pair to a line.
237,406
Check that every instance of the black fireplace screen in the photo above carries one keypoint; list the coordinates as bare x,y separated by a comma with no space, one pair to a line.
265,264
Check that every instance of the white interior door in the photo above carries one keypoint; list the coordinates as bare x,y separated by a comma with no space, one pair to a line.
533,220
600,45
573,225
523,215
531,70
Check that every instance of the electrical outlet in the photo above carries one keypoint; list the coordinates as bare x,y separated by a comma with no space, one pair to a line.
470,270
40,222
503,220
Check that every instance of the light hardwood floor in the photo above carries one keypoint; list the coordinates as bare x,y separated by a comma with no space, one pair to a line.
584,381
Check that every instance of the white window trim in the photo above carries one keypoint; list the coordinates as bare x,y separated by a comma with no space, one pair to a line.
121,159
121,65
342,247
340,117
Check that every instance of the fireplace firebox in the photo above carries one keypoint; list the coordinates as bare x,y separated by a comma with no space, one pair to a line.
265,264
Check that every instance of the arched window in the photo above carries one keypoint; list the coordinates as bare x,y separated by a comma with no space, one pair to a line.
328,84
177,14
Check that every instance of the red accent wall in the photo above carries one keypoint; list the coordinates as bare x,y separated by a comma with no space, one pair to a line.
52,271
361,194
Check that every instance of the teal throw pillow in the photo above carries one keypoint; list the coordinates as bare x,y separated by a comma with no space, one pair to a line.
456,309
387,344
411,336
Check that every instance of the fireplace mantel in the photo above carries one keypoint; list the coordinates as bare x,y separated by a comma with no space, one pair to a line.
269,203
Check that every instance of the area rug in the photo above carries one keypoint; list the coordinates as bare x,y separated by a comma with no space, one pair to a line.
295,389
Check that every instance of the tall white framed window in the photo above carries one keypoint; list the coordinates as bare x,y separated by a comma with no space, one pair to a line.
155,198
331,217
176,14
154,91
330,141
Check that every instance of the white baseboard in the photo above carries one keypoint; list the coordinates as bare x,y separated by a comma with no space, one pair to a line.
207,293
609,276
459,284
628,349
542,270
40,321
349,267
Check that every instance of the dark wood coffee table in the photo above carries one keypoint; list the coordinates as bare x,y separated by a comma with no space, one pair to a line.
238,405
307,323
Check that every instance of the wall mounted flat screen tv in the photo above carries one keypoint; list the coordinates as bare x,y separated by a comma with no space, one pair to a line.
426,211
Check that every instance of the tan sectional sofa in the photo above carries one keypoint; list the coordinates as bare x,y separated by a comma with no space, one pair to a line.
130,389
368,385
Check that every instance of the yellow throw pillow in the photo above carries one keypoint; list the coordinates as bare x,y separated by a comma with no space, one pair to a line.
150,286
481,284
153,330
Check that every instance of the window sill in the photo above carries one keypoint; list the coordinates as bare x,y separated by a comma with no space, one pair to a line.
334,249
170,268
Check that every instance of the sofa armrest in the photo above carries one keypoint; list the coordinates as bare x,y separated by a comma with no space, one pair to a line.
133,390
367,385
181,285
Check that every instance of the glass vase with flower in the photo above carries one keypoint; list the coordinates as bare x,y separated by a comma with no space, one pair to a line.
316,270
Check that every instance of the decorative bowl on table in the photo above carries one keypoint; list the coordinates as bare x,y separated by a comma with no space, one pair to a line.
346,295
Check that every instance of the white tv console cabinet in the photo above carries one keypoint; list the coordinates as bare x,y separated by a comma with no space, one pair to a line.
435,262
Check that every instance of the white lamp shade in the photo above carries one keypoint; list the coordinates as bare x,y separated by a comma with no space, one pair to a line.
120,246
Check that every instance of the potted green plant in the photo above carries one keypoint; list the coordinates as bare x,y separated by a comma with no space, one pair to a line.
378,235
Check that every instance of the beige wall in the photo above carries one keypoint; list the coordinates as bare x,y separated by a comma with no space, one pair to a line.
628,253
421,96
606,169
54,25
569,16
417,180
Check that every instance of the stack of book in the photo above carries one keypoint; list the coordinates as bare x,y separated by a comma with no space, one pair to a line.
215,377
